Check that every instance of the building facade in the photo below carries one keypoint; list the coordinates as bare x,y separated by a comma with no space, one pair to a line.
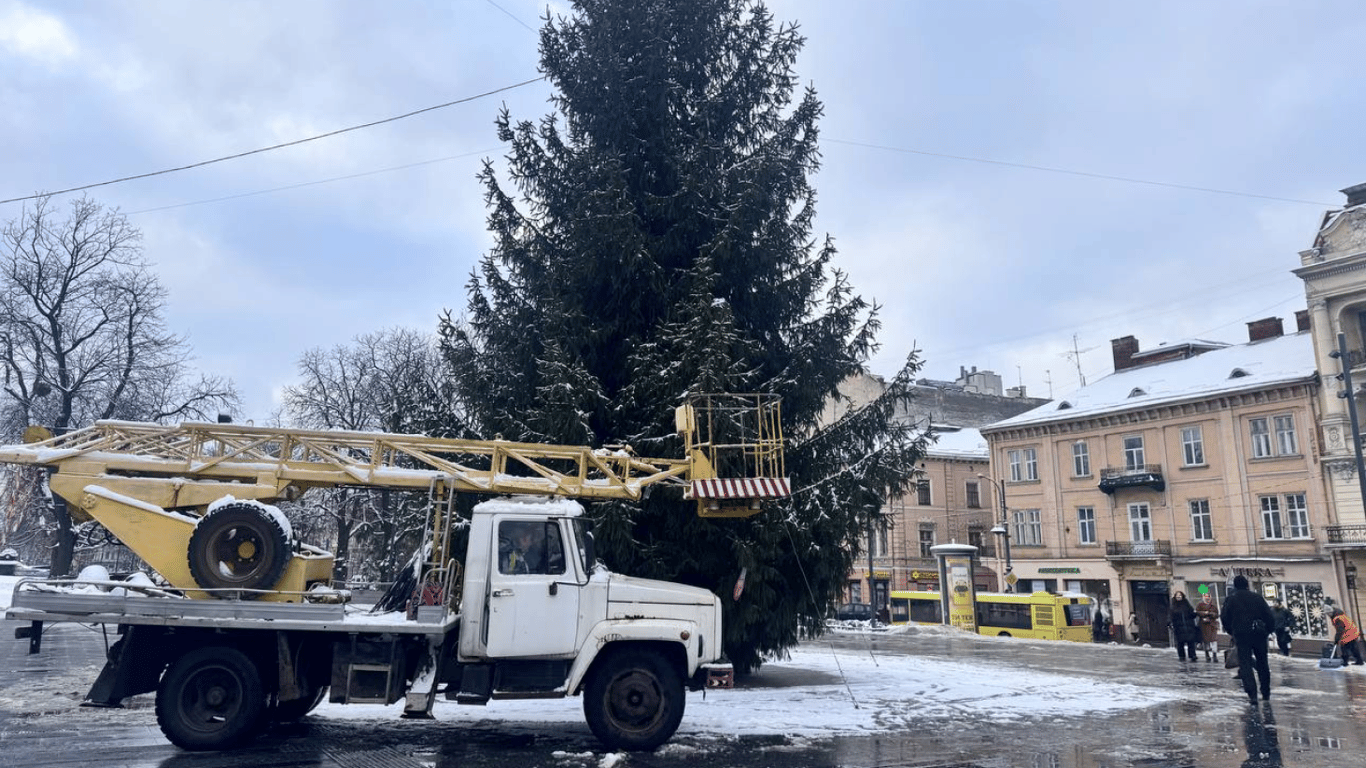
1334,274
1190,464
953,499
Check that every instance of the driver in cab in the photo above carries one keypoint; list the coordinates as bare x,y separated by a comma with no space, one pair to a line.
523,550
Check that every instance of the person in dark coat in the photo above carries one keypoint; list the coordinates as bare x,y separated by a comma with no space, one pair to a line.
1284,618
1185,632
1248,619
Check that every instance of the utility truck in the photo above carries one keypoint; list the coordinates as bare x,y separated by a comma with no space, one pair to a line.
244,627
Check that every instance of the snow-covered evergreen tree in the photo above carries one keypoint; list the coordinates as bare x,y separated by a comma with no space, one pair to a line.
656,240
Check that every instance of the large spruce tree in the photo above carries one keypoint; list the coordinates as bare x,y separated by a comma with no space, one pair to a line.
654,238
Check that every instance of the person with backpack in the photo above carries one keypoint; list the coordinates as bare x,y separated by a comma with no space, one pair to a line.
1247,618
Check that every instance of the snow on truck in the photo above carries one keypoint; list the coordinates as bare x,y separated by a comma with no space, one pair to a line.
244,626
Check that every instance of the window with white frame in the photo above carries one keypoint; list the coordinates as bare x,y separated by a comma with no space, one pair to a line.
1202,525
1028,527
878,546
1285,517
926,541
1081,459
1261,438
1192,446
1013,458
1140,522
1133,452
1286,443
1031,464
1086,525
1272,527
1296,516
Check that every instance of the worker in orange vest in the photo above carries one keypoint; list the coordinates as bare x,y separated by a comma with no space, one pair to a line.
1346,634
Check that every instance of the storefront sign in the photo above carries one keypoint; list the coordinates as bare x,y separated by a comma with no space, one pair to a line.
925,575
1060,569
1251,573
879,574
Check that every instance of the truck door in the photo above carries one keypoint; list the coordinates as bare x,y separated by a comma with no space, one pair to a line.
533,601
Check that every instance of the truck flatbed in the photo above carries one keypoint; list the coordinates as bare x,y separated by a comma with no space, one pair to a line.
45,601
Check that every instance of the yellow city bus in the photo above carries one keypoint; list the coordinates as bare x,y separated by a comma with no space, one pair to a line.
1041,615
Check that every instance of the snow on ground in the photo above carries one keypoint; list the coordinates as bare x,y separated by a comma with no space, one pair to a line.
819,691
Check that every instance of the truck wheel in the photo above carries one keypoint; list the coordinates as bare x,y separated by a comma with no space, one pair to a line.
633,700
238,546
210,698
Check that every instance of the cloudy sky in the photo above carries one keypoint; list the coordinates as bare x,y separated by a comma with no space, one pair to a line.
1010,180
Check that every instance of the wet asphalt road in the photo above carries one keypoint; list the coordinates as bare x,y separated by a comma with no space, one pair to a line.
1317,718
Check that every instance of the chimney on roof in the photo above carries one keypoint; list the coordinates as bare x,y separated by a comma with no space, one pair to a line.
1266,328
1124,350
1301,320
1356,195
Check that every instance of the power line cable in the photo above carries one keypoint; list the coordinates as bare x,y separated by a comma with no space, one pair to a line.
1084,174
314,183
277,146
510,15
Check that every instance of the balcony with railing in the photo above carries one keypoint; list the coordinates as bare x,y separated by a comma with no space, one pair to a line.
1137,550
1345,536
1141,476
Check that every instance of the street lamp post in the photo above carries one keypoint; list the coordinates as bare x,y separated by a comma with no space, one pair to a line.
1002,528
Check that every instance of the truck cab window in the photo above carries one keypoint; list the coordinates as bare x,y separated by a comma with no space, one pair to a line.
530,548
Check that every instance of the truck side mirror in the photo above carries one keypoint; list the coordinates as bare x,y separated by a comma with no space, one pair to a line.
590,553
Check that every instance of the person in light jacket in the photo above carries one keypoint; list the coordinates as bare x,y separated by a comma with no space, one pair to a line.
1207,613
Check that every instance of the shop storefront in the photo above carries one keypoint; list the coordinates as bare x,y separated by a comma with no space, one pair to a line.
1305,586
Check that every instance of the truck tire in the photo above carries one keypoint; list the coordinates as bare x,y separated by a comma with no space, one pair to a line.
238,546
633,700
211,698
296,709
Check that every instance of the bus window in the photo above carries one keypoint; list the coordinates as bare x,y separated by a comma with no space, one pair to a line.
926,611
1078,615
901,610
1003,615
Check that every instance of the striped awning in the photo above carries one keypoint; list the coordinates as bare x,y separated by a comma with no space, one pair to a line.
740,488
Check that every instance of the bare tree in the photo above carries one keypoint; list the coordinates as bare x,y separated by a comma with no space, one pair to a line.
378,383
83,336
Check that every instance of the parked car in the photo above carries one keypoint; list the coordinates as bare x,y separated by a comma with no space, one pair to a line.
855,612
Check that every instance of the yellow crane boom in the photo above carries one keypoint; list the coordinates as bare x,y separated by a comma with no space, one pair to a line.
158,488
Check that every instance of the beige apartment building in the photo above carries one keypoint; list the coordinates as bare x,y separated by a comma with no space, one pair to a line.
1191,463
953,499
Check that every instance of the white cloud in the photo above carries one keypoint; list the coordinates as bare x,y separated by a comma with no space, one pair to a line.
32,34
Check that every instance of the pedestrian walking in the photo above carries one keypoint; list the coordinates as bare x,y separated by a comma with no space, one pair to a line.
1132,627
1185,633
1247,618
1284,618
1208,615
1346,636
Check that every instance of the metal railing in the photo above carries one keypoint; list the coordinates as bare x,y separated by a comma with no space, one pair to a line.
1138,549
1346,534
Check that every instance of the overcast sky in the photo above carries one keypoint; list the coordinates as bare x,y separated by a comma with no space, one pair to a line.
933,110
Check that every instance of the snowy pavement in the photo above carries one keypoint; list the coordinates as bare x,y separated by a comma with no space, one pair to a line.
910,696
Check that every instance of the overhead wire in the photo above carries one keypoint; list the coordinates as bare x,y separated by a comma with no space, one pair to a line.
1072,172
273,147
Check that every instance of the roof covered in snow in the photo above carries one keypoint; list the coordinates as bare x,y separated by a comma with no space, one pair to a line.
1230,369
957,443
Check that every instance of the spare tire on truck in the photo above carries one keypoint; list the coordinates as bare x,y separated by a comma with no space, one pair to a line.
238,546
